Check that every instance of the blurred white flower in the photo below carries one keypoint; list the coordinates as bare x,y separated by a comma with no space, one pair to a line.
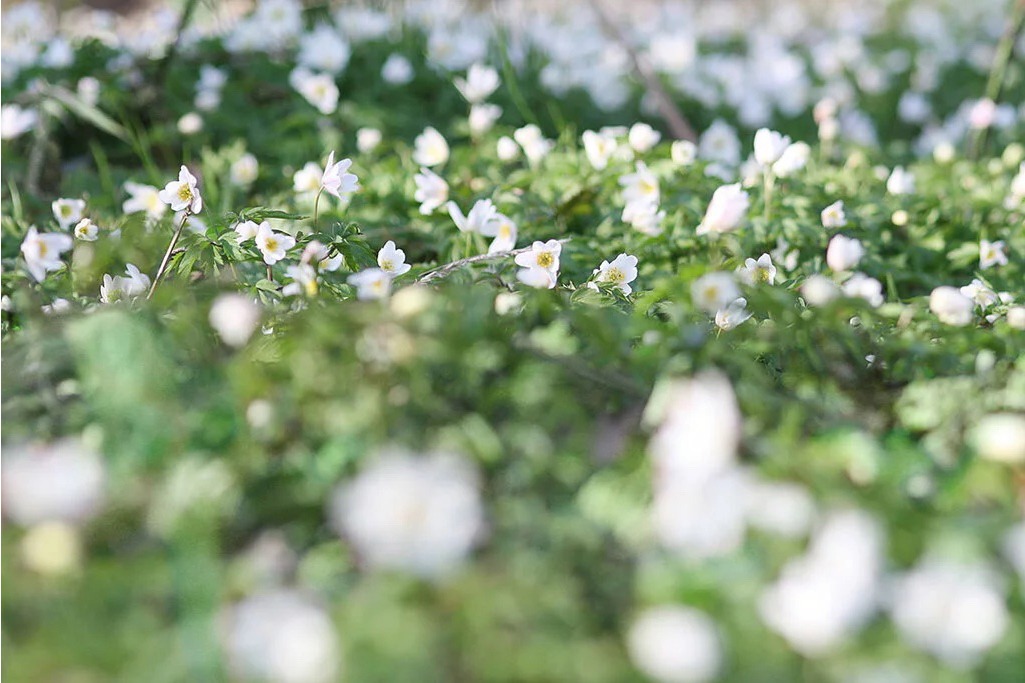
714,291
431,190
725,211
397,70
480,82
769,146
336,179
504,231
272,245
719,143
431,149
861,286
86,231
982,114
683,152
781,508
833,216
247,230
234,317
979,292
367,140
392,260
794,158
736,313
644,216
190,123
318,89
280,637
955,612
900,182
482,118
826,596
477,220
844,253
951,306
643,137
620,272
15,121
133,284
1016,317
61,481
42,251
700,514
244,171
303,278
416,513
599,148
143,198
1000,437
991,254
182,194
371,284
641,186
68,211
758,271
507,149
675,644
535,146
324,49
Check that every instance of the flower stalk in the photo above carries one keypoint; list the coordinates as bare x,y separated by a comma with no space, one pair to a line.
167,254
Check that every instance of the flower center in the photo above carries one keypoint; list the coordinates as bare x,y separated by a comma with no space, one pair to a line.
65,210
271,244
615,275
762,275
545,259
386,264
184,193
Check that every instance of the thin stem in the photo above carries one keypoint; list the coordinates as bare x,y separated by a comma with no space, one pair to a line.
167,254
316,208
448,268
270,274
1005,48
468,245
769,183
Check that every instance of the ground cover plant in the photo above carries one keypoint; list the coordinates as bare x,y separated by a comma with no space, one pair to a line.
672,342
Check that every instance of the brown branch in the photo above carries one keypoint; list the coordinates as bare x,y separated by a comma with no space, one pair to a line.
674,118
449,268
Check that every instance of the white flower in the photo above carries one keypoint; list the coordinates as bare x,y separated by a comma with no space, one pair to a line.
272,245
619,273
731,316
246,230
951,306
482,118
57,307
794,158
769,146
861,286
367,140
980,293
1000,437
431,190
991,254
42,251
542,255
982,114
599,148
336,179
182,194
370,284
62,481
431,148
420,514
324,49
683,152
68,211
726,210
900,182
143,198
397,70
640,186
819,290
319,90
699,515
720,144
244,171
304,280
135,283
16,121
503,229
780,508
392,260
843,253
643,137
86,230
506,148
675,644
234,317
833,216
481,214
827,595
306,180
280,637
190,123
714,291
1016,317
480,82
644,216
754,272
535,146
955,612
